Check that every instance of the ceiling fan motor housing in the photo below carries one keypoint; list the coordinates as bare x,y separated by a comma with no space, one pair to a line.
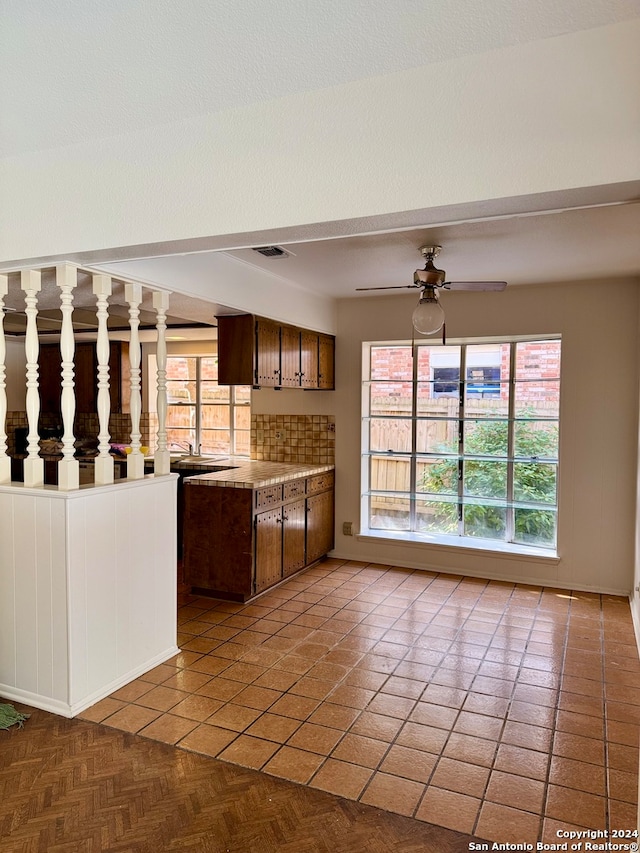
430,274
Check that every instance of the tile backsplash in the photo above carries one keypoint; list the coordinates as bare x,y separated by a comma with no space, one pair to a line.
274,438
293,438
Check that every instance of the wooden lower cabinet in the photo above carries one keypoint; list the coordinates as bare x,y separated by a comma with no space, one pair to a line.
240,542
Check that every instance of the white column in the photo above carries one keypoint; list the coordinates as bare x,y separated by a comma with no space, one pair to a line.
104,460
161,462
30,282
5,461
68,467
135,460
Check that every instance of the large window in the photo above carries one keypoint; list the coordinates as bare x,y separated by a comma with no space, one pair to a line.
214,418
463,440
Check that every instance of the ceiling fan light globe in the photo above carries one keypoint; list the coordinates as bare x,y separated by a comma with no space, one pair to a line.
428,316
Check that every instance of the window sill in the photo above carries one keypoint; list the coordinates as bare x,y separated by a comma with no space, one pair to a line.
460,543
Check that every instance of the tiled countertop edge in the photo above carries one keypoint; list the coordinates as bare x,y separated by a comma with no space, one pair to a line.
253,474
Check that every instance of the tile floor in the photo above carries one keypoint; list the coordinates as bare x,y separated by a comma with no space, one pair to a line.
503,710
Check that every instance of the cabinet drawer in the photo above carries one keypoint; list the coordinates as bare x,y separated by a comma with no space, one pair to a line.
320,483
296,489
270,496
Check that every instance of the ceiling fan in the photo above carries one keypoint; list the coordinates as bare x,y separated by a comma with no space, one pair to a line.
428,315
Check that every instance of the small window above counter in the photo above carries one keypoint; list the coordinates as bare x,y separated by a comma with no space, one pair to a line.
263,353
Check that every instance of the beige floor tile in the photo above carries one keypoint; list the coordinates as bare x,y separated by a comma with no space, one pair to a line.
341,779
208,740
162,698
409,763
259,698
297,765
426,738
507,825
583,809
460,776
623,786
478,725
446,808
249,752
132,718
417,693
623,757
471,749
234,717
622,815
320,739
168,728
273,727
577,774
568,745
393,794
517,792
197,707
336,716
522,762
103,709
357,749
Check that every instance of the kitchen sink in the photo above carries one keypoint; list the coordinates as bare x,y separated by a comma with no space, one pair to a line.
201,460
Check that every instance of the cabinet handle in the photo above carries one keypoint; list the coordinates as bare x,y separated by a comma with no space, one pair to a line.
285,518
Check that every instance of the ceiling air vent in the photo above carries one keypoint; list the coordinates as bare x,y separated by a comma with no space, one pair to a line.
272,251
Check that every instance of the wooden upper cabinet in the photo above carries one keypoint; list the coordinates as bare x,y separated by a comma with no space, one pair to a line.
236,350
256,351
289,357
326,362
267,348
308,359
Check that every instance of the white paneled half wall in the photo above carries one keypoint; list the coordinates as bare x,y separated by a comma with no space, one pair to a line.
87,589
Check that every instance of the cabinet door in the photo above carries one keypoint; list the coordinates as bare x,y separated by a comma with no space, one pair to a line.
289,357
293,537
236,345
50,379
268,548
326,360
86,377
308,359
319,525
267,353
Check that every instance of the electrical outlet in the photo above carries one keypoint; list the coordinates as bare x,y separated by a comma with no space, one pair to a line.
280,435
331,427
347,528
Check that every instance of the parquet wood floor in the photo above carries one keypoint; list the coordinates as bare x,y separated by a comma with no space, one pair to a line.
72,786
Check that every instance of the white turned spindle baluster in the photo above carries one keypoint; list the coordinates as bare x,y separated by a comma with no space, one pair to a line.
161,456
30,282
68,467
135,460
5,459
104,460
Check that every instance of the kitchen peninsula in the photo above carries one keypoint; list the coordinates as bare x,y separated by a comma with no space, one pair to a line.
251,525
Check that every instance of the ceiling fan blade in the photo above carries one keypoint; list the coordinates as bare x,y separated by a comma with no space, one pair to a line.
474,285
392,287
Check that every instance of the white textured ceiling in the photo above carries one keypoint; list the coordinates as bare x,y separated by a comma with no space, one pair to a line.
74,70
569,245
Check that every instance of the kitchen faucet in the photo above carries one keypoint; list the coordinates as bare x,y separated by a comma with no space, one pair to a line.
187,446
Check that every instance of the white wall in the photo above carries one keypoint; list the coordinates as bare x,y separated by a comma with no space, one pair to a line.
532,118
598,433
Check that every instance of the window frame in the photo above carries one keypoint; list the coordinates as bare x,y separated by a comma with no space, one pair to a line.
511,541
232,404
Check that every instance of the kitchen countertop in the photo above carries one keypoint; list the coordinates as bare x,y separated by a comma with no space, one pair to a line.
243,473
